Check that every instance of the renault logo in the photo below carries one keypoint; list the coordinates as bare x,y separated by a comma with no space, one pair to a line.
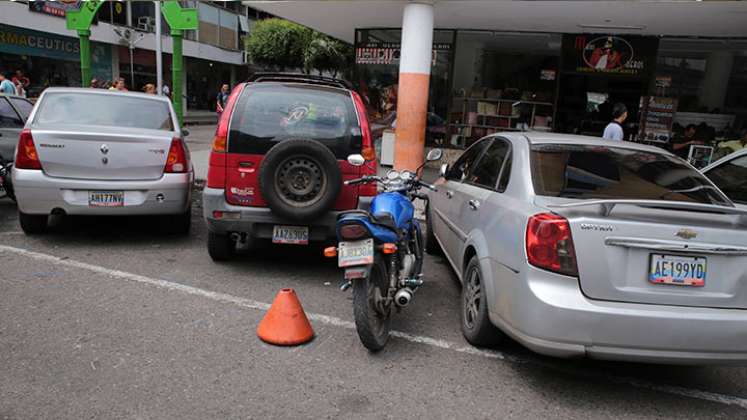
104,149
686,234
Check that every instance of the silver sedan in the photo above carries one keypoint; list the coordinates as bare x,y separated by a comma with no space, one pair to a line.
97,152
577,246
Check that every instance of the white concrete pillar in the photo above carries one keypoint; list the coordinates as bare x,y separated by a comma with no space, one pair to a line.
414,78
716,80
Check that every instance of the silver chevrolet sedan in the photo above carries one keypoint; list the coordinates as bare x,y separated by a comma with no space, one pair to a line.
98,152
577,246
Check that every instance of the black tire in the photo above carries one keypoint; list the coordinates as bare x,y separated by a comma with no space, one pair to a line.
431,243
373,327
220,247
33,224
300,179
178,224
476,325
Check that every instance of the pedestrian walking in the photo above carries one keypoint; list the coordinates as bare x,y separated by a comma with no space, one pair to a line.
21,78
221,99
20,89
95,84
614,130
166,91
119,84
150,89
6,86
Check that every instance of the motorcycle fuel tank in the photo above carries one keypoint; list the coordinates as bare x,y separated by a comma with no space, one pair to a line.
393,208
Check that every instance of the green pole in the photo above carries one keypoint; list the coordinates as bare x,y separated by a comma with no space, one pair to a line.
176,68
85,57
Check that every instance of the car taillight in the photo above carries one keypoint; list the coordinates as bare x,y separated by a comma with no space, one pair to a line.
176,162
220,141
353,231
550,244
26,157
367,150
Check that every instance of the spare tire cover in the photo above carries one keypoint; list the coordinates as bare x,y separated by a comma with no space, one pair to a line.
300,179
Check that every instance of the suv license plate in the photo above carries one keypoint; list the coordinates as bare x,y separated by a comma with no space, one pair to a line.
106,198
355,253
678,270
290,235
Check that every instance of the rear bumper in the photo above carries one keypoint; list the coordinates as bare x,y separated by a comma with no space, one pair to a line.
258,222
551,316
38,193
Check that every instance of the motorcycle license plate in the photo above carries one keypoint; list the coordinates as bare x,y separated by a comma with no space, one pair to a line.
106,198
355,253
290,235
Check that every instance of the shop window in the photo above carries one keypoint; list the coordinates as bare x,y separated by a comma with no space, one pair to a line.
114,12
736,94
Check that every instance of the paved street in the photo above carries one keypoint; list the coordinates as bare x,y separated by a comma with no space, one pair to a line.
103,318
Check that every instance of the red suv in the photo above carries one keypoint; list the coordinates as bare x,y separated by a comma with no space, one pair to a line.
279,160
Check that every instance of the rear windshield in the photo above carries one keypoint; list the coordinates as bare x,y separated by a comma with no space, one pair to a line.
586,172
267,114
117,110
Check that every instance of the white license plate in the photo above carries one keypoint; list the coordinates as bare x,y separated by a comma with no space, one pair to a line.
678,270
355,253
290,235
106,198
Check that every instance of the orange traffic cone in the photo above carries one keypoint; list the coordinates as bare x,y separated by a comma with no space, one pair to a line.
285,324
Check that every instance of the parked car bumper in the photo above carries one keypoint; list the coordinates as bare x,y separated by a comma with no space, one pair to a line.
38,193
551,316
258,222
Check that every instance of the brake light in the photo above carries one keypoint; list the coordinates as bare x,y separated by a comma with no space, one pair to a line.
220,141
367,151
352,231
176,162
26,157
550,244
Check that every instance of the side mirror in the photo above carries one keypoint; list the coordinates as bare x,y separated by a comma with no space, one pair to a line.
444,170
185,132
434,155
356,160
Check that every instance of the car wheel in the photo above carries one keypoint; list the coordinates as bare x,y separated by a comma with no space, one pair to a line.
33,224
178,224
300,179
220,247
432,246
476,326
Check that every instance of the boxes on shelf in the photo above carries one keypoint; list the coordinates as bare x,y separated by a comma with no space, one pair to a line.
486,108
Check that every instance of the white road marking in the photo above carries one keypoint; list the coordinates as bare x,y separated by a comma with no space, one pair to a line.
338,322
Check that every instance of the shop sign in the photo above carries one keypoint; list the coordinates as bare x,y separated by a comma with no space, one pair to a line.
609,54
547,75
657,117
388,53
663,81
54,8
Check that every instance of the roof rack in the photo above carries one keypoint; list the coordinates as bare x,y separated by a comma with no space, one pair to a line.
299,78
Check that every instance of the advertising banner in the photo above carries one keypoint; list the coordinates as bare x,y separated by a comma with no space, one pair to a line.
54,8
657,117
388,53
632,56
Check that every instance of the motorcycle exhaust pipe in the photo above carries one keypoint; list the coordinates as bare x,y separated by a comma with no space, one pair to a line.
403,297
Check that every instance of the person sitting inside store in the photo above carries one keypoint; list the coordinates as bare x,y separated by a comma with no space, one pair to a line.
681,145
614,130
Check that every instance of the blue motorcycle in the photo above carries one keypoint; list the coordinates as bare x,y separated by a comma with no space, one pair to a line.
381,251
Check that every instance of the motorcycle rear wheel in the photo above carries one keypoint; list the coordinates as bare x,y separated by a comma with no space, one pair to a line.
371,321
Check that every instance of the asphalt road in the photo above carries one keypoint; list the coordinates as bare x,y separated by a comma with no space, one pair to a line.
107,318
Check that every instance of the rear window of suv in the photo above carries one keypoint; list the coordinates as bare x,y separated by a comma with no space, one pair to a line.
600,172
269,113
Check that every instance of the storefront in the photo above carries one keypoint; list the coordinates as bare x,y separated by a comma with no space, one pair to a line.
488,81
48,59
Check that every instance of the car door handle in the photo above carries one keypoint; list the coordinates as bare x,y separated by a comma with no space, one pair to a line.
246,167
449,194
474,204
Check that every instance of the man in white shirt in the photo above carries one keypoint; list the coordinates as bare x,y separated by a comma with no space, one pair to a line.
614,130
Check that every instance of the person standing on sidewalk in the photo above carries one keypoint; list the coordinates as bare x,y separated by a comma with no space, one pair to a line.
6,86
614,130
221,100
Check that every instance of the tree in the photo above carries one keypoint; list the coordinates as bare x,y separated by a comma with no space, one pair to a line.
326,54
278,43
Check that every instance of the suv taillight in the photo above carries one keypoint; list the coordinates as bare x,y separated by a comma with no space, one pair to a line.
26,157
550,244
216,177
177,162
367,150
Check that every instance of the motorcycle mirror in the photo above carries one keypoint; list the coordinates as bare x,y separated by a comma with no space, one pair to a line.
444,169
434,155
356,160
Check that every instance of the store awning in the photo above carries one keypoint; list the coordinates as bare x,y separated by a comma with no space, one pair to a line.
646,17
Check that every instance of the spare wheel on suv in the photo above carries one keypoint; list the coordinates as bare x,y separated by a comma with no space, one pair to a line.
300,179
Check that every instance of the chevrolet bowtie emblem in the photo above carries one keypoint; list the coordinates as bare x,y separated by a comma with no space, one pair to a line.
686,234
104,149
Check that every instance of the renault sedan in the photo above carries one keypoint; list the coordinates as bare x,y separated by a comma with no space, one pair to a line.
577,246
97,152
